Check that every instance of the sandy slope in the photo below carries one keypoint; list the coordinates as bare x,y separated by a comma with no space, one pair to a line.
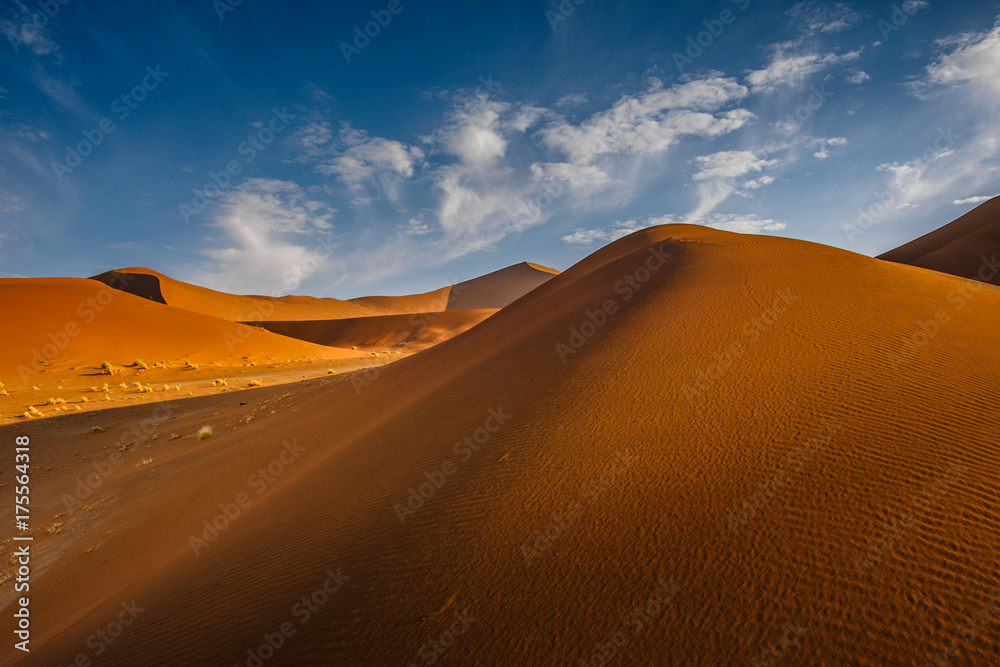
960,247
413,331
741,452
493,290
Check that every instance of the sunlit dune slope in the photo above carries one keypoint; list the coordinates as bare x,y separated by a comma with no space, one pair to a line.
688,448
77,322
960,247
413,330
492,291
238,308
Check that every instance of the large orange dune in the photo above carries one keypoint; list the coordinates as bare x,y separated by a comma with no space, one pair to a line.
491,291
966,247
693,448
73,322
414,331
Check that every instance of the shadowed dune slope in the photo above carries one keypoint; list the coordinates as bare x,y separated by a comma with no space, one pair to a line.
73,322
415,329
235,307
752,432
494,290
966,247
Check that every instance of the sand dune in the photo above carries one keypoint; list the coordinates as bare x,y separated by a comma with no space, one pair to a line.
414,331
67,322
491,291
693,447
966,247
150,284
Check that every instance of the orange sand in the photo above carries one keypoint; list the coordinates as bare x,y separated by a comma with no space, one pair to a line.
689,447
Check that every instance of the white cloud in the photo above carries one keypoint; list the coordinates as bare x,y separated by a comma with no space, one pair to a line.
743,224
911,6
365,156
837,141
812,17
974,60
729,164
416,227
758,182
717,178
577,177
786,69
620,229
650,122
573,100
858,77
979,199
272,239
22,31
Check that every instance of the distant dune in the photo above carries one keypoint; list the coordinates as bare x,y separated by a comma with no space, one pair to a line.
417,330
78,322
693,447
494,290
960,248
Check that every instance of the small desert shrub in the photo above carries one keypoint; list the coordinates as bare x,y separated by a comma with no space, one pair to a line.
108,368
84,399
56,401
205,432
139,363
3,392
219,383
96,429
255,383
329,371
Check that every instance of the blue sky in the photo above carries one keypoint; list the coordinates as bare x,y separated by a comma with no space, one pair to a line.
275,148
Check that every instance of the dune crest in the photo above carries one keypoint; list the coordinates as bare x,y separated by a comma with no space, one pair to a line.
967,247
688,448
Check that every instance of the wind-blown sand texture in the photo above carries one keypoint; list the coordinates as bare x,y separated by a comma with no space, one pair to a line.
690,447
960,247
